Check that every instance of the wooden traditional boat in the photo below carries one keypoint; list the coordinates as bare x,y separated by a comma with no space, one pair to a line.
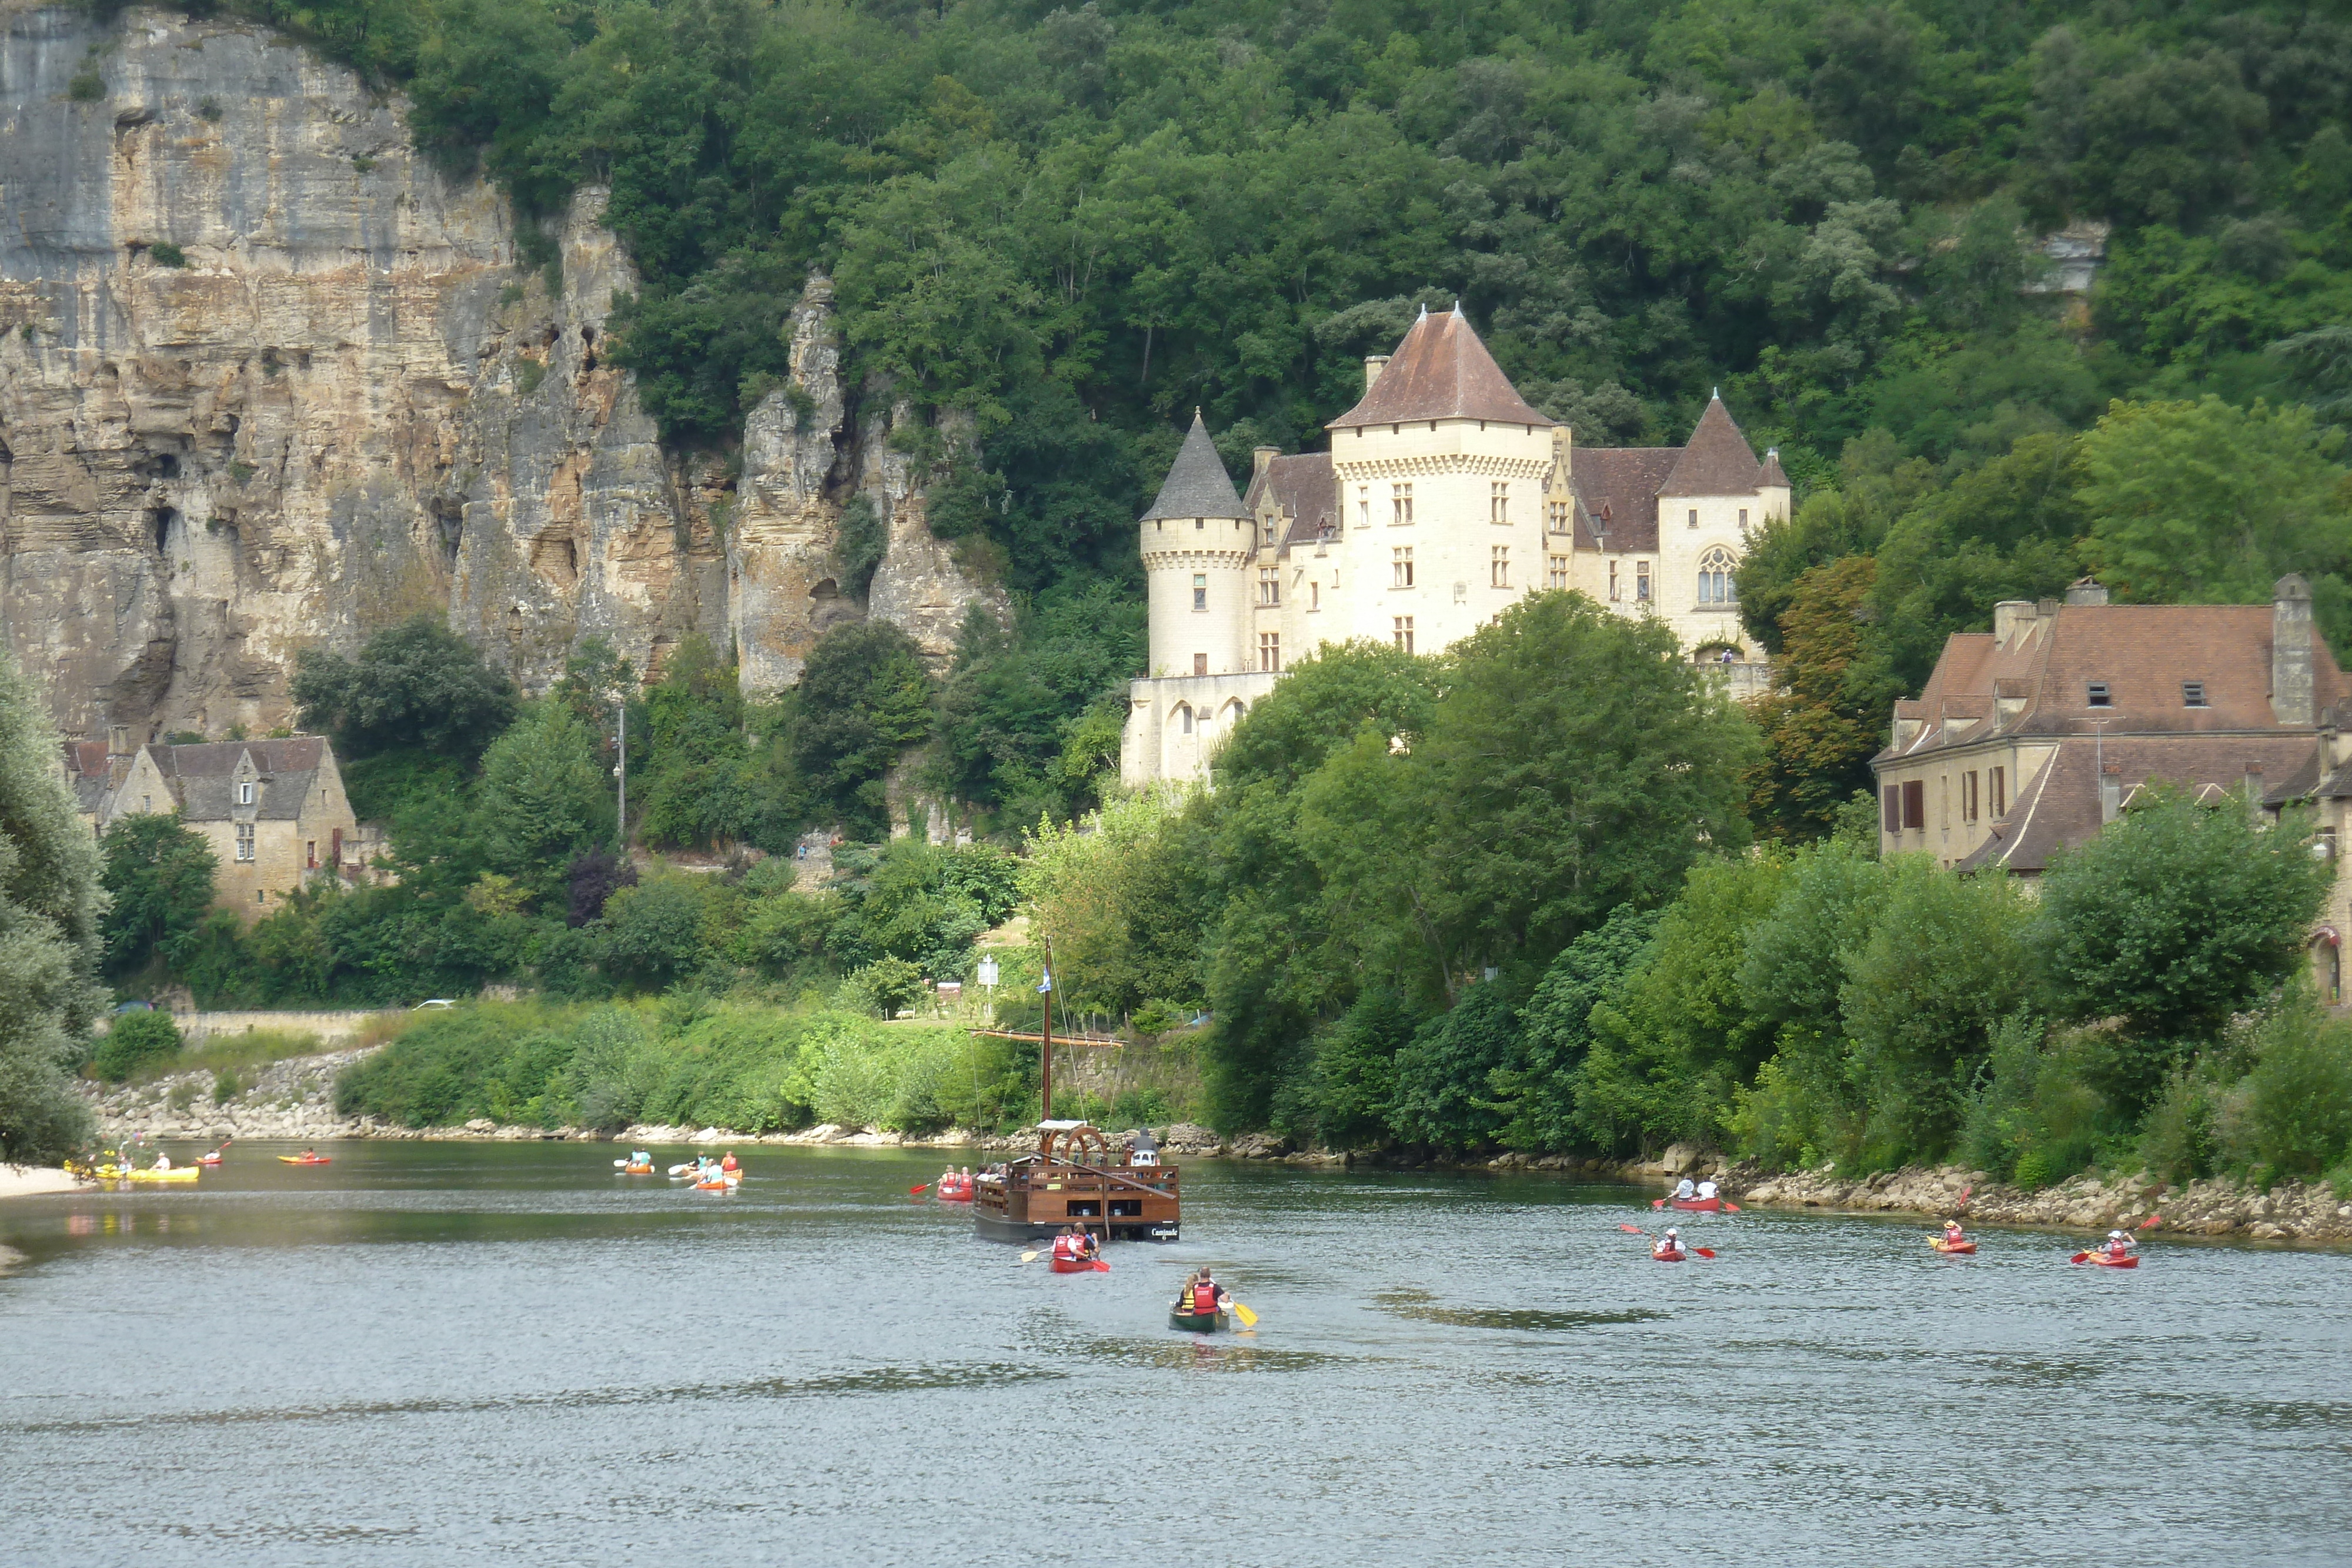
1076,1177
1199,1322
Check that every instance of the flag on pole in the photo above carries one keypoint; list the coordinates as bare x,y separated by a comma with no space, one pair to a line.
1046,984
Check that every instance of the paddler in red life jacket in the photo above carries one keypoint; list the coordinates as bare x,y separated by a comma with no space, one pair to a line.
729,1165
1953,1234
1066,1247
1208,1296
2118,1244
1669,1245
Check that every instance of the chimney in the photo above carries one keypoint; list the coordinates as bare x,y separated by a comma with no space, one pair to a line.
2111,793
2009,617
2089,590
1373,365
1259,458
2290,692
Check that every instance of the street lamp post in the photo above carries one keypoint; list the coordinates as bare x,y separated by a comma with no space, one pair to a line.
621,772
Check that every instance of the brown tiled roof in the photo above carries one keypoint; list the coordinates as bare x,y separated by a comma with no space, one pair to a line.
1441,370
2060,804
1298,488
1619,488
1717,461
200,776
2142,652
1773,477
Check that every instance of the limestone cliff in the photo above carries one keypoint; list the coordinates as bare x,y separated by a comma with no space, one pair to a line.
269,380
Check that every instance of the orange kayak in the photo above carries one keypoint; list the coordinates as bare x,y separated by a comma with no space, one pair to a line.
1957,1249
2131,1262
305,1159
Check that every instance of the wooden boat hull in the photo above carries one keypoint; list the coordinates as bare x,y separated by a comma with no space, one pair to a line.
1955,1248
1200,1323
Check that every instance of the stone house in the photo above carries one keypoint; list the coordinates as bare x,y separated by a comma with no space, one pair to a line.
1445,497
2037,734
274,811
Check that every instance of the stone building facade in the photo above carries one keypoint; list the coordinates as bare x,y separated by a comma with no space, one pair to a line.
1443,498
2039,732
274,811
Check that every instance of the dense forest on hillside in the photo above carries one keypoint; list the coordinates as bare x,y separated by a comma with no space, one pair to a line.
1078,222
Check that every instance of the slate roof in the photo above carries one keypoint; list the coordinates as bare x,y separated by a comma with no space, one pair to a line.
1299,488
88,771
1197,485
1441,370
201,776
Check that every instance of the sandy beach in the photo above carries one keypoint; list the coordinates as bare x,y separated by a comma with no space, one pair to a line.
35,1181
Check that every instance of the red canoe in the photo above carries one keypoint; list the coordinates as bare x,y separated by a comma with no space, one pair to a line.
1699,1205
2106,1262
1080,1266
960,1192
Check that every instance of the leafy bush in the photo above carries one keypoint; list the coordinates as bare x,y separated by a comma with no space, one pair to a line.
2033,1118
2292,1114
882,987
137,1044
163,253
225,1087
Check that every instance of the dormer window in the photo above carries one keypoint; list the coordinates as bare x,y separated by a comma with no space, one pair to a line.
2192,694
2100,696
245,791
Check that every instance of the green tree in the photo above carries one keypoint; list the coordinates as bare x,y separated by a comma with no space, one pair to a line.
417,686
1438,1086
2174,917
135,1042
1535,1090
864,699
1822,720
157,873
541,799
2204,503
50,905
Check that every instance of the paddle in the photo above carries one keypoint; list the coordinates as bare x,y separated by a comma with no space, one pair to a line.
1248,1318
2081,1257
1658,1203
918,1191
1633,1229
1729,1207
2151,1222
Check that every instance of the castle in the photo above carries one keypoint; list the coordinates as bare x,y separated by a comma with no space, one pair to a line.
1443,498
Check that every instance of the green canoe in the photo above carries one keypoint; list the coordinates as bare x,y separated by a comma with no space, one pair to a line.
1199,1322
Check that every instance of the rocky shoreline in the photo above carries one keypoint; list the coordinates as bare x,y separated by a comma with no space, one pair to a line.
294,1099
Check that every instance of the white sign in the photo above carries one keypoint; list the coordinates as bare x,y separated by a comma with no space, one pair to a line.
986,972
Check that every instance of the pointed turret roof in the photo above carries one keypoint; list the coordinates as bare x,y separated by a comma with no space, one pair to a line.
1775,476
1441,370
1197,485
1717,462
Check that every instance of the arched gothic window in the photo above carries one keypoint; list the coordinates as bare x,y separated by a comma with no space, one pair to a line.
1715,569
1183,718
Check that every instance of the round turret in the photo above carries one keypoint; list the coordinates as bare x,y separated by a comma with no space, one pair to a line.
1197,541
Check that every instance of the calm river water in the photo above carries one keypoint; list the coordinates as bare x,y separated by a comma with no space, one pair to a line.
479,1353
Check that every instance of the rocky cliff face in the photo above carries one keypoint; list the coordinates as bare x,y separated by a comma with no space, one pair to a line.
268,380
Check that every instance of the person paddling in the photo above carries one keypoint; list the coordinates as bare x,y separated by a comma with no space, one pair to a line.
1208,1297
1953,1235
2119,1245
1066,1247
729,1165
1670,1245
1683,1192
1706,1191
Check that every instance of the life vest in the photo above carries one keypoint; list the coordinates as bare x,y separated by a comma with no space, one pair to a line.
1065,1248
729,1163
1205,1298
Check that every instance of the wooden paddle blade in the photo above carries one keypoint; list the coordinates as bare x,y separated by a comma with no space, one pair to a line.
1704,1251
1248,1318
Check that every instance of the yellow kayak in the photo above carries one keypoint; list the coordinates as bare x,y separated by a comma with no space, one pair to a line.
177,1173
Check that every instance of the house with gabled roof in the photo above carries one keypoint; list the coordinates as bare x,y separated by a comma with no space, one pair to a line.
2036,735
274,812
1443,498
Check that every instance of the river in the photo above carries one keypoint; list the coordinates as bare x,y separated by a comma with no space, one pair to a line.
454,1352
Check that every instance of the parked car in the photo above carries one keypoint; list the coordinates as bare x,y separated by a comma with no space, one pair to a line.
435,1002
133,1006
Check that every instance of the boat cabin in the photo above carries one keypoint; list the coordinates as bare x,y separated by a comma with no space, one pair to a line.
1076,1177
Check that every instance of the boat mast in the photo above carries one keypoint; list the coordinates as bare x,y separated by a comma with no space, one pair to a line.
1045,1046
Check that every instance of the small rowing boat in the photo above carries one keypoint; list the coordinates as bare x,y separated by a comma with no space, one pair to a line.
1957,1249
1199,1322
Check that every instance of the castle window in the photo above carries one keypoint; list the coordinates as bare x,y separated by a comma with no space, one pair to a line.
1200,524
1269,651
1555,515
1715,572
1743,518
1200,590
1498,501
1890,817
1402,632
1314,596
1614,595
147,803
1400,501
1915,806
1269,585
310,852
1401,567
1183,719
1642,583
245,792
1694,517
2000,790
1200,664
1363,505
2192,694
244,842
1969,797
2100,696
1555,572
1498,566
